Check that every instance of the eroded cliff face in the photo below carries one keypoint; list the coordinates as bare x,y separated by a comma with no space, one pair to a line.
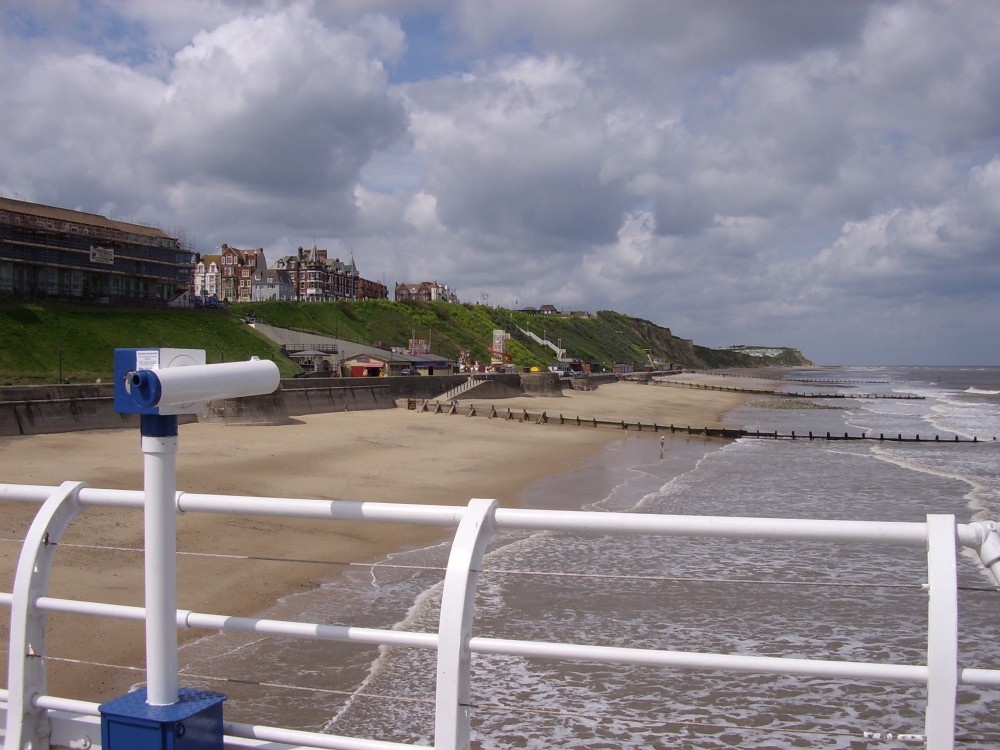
688,354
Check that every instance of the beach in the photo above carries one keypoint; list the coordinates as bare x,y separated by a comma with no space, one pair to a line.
395,455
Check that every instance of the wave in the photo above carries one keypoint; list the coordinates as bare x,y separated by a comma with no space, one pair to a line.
981,392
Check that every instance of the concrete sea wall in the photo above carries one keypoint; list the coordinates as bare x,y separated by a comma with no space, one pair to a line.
40,409
36,410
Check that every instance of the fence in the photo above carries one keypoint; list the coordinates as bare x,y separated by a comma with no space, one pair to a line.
36,720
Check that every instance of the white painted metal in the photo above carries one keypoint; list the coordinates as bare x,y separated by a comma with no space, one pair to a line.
160,489
27,726
451,718
979,677
198,620
942,633
984,538
734,527
700,661
539,649
194,384
310,631
341,510
30,711
299,739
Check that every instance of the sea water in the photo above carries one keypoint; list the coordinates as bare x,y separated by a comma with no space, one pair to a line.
796,599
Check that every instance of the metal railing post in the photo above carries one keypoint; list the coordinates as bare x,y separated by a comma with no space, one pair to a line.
942,632
983,537
28,726
159,450
451,722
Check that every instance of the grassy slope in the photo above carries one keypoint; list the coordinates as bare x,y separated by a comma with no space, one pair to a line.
605,338
32,335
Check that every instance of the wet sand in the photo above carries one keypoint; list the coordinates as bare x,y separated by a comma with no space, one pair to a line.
395,455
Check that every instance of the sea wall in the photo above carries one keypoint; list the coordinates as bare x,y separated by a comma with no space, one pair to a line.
35,410
40,409
542,383
322,395
496,386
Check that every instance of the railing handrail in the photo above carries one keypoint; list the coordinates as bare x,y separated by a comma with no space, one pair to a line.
910,533
26,701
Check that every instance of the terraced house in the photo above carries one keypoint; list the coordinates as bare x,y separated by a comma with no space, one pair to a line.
316,277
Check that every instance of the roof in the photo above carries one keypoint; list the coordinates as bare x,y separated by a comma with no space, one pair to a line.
79,217
272,276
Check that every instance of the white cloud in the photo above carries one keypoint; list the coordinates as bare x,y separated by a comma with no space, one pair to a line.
774,173
277,102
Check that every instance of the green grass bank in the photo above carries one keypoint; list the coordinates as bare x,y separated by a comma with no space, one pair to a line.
39,343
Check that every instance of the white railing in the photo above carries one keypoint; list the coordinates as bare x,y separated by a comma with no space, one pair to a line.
36,720
474,380
560,353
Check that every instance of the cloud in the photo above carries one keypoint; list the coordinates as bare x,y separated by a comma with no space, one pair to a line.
937,252
819,174
277,104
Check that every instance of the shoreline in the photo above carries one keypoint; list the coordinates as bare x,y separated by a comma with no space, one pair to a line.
394,455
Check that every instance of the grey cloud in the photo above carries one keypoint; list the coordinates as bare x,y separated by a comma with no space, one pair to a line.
758,171
520,152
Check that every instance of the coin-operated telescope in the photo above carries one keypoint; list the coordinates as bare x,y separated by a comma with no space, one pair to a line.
159,385
177,381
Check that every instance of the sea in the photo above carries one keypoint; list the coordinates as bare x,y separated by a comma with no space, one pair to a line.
795,599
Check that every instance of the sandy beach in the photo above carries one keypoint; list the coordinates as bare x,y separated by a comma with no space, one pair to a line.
395,455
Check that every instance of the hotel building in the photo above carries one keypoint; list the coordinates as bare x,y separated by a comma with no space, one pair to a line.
48,252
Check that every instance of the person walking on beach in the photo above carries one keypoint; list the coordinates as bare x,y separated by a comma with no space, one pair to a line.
662,441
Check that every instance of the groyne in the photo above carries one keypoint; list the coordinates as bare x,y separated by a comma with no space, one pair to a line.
782,394
491,411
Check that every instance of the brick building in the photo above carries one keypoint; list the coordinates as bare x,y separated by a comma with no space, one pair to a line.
229,274
425,291
317,278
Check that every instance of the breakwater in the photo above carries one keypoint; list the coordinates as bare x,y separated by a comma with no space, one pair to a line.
490,411
784,394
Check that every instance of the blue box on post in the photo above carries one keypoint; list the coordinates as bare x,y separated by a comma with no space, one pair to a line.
194,722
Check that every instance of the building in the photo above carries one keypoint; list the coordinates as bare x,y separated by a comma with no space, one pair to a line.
229,274
317,278
237,268
49,252
207,277
368,289
425,291
272,285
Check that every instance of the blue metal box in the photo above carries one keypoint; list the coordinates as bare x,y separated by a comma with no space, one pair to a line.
194,722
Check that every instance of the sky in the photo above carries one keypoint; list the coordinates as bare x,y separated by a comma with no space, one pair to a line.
818,174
